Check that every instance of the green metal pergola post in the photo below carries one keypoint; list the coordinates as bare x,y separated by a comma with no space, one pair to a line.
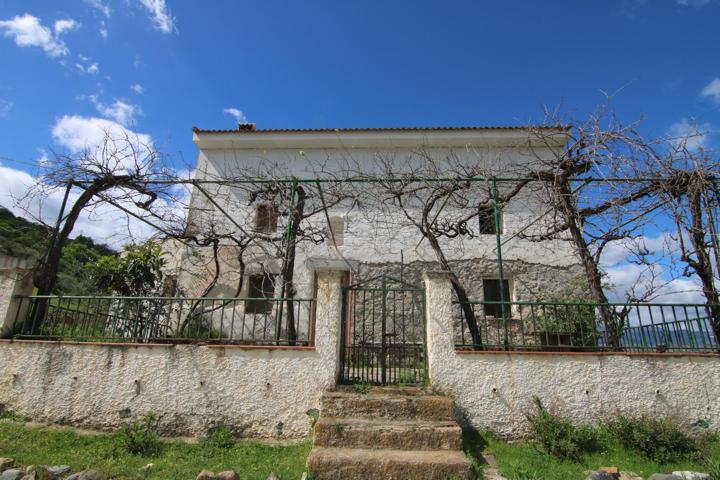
501,274
288,237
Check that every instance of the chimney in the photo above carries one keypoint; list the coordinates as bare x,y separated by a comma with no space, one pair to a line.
247,127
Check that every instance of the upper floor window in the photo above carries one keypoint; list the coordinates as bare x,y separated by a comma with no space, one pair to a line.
486,224
265,218
336,232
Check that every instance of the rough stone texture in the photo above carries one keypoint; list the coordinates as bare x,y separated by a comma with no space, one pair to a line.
493,391
689,475
205,475
6,463
355,464
12,474
227,475
398,407
664,476
15,280
92,475
379,433
258,392
409,435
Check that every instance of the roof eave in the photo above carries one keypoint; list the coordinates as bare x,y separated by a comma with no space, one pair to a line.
381,138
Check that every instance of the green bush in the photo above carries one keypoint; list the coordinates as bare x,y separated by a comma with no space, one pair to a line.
219,437
559,437
658,439
141,437
712,467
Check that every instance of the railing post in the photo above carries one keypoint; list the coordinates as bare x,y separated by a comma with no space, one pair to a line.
440,342
328,314
15,284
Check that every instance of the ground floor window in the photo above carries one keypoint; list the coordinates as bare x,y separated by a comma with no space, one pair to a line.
260,287
491,293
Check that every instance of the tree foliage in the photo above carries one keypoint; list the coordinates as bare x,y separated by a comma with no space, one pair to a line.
137,272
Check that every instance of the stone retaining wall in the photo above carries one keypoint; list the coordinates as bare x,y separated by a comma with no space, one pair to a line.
258,391
494,390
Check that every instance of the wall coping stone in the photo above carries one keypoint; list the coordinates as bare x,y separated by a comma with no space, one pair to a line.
590,354
14,263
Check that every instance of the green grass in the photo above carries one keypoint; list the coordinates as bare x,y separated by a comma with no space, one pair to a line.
177,459
523,461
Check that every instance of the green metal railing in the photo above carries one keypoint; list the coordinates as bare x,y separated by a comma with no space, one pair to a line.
577,326
252,321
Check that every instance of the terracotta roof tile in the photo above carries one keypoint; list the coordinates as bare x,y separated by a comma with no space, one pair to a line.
246,129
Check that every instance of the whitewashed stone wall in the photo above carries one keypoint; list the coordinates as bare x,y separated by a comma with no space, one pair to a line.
260,392
378,242
493,391
15,280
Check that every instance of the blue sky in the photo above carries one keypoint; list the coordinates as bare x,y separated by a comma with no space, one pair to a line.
159,67
345,64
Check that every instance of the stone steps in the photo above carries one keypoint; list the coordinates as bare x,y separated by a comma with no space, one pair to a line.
381,433
387,433
372,464
387,405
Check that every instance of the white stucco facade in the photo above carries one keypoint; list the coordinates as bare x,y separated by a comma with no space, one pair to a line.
372,242
259,392
494,390
271,392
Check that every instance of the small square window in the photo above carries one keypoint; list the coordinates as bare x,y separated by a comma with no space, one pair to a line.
260,287
265,218
491,293
486,224
336,231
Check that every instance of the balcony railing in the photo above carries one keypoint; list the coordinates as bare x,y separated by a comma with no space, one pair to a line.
577,326
242,321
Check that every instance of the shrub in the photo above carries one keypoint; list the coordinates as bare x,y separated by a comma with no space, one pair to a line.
559,437
219,437
658,439
141,437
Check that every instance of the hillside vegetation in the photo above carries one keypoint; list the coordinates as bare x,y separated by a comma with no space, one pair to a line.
24,239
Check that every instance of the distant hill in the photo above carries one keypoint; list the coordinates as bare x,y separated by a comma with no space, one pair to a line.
24,239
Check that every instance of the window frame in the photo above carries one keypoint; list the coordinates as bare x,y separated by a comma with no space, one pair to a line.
259,304
494,310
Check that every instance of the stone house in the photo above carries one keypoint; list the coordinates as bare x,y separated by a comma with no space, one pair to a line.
353,234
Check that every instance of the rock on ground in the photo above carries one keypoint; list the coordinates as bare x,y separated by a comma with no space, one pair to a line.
12,474
688,475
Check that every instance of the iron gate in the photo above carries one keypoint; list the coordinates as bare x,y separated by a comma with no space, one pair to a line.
383,331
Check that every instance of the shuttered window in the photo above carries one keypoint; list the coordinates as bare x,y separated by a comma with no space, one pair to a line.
486,223
491,293
265,218
260,287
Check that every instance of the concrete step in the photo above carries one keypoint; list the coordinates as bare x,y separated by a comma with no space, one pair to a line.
370,464
384,433
416,406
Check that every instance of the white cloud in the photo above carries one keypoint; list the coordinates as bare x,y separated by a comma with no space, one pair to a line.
239,116
103,8
161,16
103,222
137,88
712,90
103,30
92,69
693,136
65,25
121,112
692,3
5,107
27,31
77,133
